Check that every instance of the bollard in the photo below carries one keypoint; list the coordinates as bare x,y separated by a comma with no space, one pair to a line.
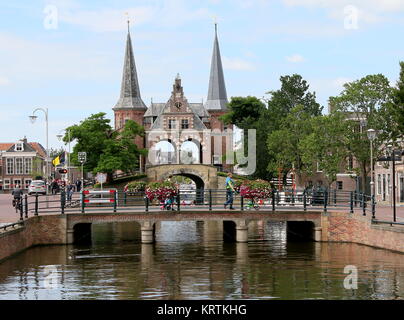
304,201
363,204
210,200
26,206
373,207
273,200
242,203
19,204
36,204
63,201
325,200
351,201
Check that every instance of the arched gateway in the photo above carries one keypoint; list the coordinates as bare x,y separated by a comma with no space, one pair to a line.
204,176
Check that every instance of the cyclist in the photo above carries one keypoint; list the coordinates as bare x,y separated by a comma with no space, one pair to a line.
17,193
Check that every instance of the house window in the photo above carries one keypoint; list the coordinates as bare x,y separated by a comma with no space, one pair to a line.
18,166
27,165
27,183
340,185
171,124
184,124
379,184
10,165
19,146
6,184
17,183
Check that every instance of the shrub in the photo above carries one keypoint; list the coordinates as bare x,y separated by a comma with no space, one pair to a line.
257,189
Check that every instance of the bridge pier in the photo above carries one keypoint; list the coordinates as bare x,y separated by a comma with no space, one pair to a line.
147,230
242,231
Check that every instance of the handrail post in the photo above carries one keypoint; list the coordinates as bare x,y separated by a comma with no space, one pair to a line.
26,206
36,204
304,201
242,203
210,199
273,200
115,200
293,197
178,201
146,203
335,197
124,198
19,204
373,207
82,201
325,200
63,201
351,202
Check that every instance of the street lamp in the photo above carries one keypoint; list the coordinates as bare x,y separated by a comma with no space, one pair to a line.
393,158
33,118
371,137
60,136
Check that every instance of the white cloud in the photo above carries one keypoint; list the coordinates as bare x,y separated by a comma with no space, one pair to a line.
4,81
369,11
237,64
296,58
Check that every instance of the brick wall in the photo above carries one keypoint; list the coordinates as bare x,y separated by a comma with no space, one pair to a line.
36,231
343,227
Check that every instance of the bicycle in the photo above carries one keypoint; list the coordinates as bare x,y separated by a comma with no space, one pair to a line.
17,204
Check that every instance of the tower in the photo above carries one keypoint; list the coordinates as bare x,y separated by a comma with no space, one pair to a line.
130,104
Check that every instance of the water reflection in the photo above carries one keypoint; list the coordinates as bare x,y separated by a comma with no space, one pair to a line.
190,261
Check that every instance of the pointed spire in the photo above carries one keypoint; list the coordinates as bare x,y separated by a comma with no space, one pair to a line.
217,96
130,91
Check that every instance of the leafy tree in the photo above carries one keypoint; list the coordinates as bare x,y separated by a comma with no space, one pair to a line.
326,145
362,101
393,112
107,150
247,113
284,144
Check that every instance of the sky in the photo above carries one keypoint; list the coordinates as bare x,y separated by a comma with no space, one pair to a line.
67,55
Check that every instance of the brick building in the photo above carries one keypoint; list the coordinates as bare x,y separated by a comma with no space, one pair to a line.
19,162
177,131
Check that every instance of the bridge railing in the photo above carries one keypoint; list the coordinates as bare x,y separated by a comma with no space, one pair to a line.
194,200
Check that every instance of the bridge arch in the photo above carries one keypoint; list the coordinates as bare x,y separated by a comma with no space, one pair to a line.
204,176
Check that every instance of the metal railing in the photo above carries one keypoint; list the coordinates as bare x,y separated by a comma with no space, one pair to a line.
195,200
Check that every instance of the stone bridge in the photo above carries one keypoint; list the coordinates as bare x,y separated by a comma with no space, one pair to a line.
300,225
204,176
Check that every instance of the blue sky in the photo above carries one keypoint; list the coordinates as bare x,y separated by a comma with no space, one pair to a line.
75,69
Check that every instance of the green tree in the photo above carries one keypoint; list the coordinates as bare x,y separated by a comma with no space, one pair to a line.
107,150
393,111
362,101
247,113
326,145
284,144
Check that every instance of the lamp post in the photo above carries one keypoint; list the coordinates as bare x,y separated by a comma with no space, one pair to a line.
60,136
33,118
371,137
393,158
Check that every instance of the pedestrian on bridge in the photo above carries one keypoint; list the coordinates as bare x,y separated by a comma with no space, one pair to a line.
229,191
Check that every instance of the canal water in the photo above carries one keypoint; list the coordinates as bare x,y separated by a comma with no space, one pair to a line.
190,261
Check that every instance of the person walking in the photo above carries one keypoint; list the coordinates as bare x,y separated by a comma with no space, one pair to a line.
69,191
78,185
229,191
54,187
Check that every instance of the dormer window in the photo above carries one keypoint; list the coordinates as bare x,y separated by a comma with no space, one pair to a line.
19,146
